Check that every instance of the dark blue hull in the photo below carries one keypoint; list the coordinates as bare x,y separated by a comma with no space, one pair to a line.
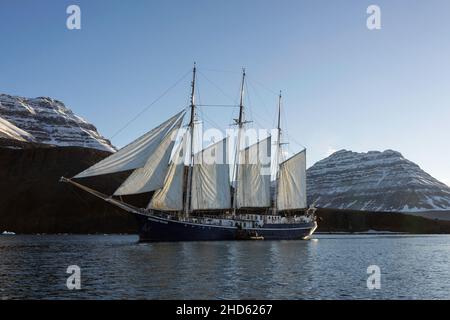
159,229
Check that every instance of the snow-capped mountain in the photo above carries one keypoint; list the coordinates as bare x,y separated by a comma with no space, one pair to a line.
48,121
374,181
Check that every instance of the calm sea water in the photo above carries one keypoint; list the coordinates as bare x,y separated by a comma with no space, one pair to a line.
327,267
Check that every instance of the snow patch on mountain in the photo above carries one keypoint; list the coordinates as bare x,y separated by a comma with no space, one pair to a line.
374,181
48,121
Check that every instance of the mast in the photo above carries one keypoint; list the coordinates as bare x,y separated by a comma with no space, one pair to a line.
240,123
241,101
187,206
278,156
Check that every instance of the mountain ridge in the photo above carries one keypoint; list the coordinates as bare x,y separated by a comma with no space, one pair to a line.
49,121
374,181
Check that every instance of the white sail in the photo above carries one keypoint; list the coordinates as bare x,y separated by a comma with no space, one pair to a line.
151,176
170,197
292,183
135,154
211,179
253,181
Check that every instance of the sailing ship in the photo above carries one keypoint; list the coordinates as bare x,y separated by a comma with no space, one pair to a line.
192,198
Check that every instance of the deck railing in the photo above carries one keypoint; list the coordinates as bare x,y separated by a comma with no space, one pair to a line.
229,220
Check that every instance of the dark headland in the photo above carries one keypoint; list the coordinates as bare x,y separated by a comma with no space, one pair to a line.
34,201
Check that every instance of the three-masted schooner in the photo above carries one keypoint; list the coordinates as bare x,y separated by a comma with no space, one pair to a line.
193,198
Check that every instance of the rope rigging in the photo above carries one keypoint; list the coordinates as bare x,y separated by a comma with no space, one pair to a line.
150,105
261,120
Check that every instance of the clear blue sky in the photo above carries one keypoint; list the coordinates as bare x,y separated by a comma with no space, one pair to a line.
344,86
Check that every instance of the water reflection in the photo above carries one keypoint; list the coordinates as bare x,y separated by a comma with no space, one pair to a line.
118,267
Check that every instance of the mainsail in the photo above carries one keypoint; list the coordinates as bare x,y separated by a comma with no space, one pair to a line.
170,197
151,176
292,183
253,181
135,154
211,178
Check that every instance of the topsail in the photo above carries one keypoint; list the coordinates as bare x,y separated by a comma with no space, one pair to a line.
134,155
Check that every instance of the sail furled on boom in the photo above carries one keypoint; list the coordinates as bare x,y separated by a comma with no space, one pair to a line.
170,197
151,176
253,180
135,154
211,178
291,193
